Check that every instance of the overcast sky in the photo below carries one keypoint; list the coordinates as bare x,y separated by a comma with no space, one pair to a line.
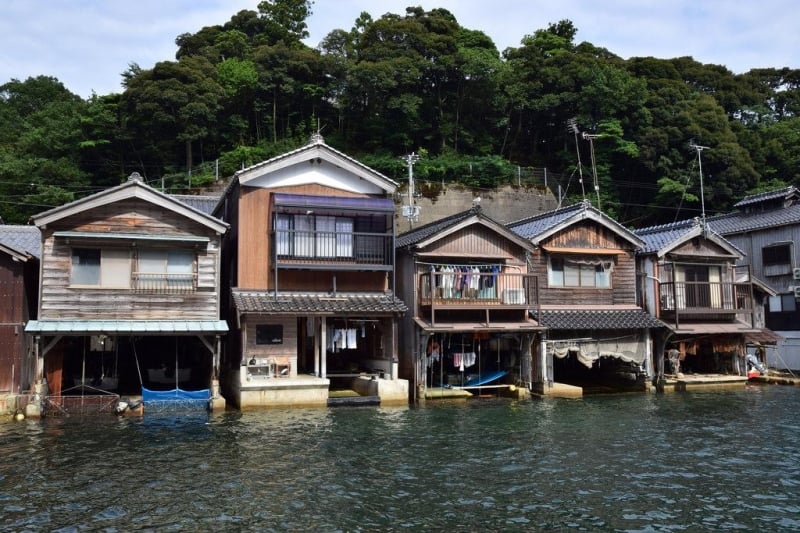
87,44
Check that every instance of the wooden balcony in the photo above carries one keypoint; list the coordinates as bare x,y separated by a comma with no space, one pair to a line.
705,300
330,249
457,290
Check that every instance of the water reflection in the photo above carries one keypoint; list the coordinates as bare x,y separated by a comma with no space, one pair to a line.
696,461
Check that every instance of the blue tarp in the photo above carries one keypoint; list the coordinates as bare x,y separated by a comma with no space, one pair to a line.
174,395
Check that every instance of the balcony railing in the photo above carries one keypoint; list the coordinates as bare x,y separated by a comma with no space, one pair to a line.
469,290
164,282
705,298
295,247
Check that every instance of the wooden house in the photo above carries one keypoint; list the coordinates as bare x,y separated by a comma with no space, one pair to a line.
465,280
310,265
690,281
19,282
598,336
766,228
129,295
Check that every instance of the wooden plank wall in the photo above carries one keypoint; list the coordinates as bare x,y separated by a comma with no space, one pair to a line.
589,235
60,301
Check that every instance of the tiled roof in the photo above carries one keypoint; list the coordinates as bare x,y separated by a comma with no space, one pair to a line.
657,237
660,237
535,225
744,222
432,228
22,238
582,319
317,303
204,204
766,196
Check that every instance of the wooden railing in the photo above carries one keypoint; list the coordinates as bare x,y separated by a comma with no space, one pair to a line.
468,289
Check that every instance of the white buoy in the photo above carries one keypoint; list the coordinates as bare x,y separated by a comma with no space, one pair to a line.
19,417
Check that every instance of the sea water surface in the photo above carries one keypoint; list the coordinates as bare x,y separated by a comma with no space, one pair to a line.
697,461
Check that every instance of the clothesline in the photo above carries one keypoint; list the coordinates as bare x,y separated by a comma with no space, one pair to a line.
479,265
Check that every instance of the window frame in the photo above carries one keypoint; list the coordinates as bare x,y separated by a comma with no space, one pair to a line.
566,272
109,261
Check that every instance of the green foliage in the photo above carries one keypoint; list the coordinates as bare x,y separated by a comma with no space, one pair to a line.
249,89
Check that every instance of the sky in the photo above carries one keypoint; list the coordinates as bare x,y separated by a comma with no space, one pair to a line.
88,44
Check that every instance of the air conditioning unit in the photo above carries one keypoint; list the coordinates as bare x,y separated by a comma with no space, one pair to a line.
797,291
514,296
796,273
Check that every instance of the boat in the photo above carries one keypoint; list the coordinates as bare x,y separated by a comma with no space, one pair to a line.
484,379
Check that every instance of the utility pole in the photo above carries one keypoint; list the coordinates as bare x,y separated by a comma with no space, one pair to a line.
572,126
699,150
591,137
410,211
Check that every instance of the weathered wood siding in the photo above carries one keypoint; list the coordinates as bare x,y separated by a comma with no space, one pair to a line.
283,353
588,235
59,300
476,242
700,248
13,313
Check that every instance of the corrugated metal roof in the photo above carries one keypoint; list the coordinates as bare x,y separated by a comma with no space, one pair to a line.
321,304
176,327
22,238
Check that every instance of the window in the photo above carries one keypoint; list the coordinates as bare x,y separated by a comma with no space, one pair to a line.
777,259
165,269
269,334
102,268
567,272
321,236
782,303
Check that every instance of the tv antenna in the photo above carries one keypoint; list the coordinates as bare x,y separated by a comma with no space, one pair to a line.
572,126
699,149
410,211
591,137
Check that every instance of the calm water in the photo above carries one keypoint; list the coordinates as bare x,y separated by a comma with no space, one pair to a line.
675,462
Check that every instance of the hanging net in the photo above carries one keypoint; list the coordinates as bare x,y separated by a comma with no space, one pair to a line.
175,400
90,404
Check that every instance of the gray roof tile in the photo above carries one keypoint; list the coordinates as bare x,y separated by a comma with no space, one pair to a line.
532,226
432,228
317,303
204,204
767,196
743,222
583,319
22,238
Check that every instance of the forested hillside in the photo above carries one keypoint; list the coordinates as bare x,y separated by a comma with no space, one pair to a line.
249,88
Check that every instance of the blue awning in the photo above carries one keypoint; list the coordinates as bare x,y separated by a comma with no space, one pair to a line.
382,205
144,327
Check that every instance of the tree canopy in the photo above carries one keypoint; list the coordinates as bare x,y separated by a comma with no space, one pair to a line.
622,133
